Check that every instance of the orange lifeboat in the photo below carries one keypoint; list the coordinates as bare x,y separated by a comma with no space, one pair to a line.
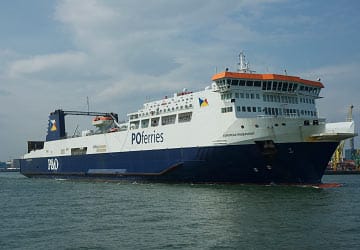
101,121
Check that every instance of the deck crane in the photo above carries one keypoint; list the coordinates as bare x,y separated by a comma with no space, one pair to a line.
337,158
352,147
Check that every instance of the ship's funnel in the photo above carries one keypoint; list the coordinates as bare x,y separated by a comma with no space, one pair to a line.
56,126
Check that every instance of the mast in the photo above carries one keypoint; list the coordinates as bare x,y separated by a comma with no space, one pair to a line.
243,64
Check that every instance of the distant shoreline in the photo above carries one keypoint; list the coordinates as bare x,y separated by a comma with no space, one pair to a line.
341,172
9,169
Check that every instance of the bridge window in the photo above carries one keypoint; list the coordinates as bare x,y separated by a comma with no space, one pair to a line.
290,87
249,83
268,85
295,87
264,85
257,84
274,86
285,86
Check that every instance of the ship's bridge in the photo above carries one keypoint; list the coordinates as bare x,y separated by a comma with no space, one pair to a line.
249,94
267,82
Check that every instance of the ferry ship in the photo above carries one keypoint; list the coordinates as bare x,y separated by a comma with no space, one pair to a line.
244,127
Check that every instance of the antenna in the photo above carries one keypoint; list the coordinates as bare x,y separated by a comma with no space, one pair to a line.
76,129
87,102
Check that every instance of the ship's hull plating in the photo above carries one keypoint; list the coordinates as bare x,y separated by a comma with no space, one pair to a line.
262,162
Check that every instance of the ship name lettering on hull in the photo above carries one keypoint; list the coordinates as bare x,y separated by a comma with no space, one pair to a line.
142,138
53,164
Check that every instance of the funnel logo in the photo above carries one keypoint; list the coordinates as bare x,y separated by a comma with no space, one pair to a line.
53,125
203,102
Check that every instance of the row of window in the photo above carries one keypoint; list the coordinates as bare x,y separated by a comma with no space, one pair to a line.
248,109
268,85
307,100
281,99
279,86
228,96
280,111
226,109
238,82
288,87
271,111
288,112
159,111
165,120
268,98
168,101
310,89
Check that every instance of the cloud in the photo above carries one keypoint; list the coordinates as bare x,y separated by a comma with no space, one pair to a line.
159,42
334,72
43,63
124,52
340,83
4,92
84,13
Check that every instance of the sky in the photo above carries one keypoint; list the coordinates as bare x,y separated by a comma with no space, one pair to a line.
55,54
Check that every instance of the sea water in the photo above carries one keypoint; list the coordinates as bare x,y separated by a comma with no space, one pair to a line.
63,214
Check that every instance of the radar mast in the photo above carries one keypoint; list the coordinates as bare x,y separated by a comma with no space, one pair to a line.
243,64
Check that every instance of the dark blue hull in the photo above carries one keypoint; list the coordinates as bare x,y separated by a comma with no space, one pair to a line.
254,163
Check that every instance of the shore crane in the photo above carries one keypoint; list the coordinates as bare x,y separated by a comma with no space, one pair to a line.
337,158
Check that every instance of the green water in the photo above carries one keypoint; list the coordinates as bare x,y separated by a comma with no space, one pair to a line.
59,214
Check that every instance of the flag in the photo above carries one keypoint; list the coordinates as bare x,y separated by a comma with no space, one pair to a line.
203,102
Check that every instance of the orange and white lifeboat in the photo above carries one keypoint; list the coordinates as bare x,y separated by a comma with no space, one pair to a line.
101,121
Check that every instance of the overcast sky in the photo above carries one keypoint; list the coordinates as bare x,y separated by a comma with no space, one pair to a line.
120,53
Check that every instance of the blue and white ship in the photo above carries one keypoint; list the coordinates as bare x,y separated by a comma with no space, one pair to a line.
242,128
